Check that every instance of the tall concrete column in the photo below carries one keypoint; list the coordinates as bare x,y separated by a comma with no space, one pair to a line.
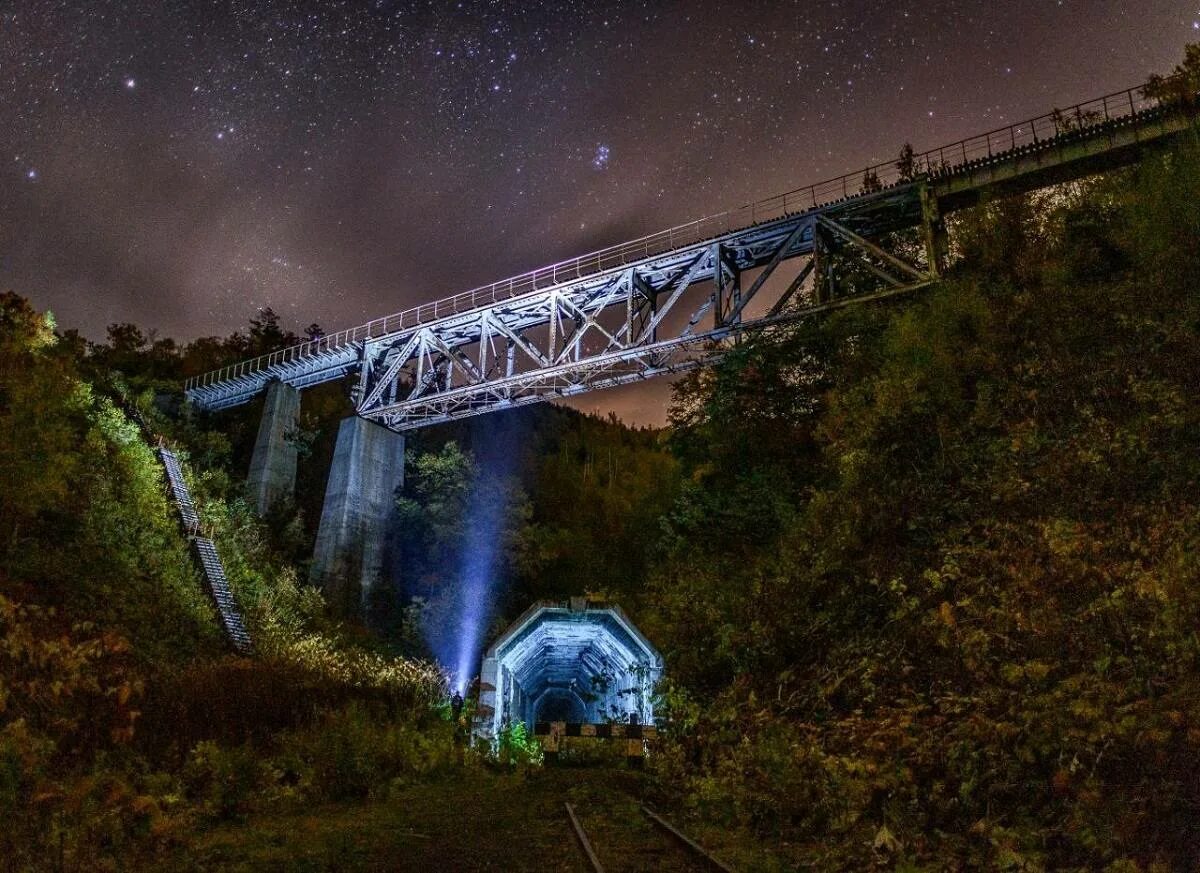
358,515
273,464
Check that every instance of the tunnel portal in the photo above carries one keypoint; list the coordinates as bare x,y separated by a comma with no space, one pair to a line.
580,661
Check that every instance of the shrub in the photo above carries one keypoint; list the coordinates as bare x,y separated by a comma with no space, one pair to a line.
514,747
222,779
357,751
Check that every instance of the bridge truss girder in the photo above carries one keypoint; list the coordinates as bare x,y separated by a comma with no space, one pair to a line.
629,324
1101,134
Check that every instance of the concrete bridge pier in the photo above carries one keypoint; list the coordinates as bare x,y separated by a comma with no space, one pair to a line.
273,465
358,513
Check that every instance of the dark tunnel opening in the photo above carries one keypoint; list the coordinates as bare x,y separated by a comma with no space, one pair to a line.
560,705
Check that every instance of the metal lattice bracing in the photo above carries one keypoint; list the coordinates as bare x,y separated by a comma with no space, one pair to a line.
662,315
675,300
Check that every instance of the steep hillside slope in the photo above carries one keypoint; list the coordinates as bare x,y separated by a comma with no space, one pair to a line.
931,593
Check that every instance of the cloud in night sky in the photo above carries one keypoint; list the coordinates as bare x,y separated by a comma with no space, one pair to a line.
180,165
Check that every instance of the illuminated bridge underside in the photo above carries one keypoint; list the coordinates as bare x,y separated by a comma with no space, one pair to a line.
603,331
583,325
575,662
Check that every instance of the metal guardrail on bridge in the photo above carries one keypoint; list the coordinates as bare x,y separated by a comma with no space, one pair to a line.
1126,104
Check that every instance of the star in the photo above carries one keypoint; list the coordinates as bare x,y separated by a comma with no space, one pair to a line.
292,125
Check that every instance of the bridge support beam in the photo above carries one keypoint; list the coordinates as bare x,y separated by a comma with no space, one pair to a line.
273,465
933,229
357,519
824,276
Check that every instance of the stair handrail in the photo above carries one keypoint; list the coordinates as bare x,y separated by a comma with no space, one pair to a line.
192,531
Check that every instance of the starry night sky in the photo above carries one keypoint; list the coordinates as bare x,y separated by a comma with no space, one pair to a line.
180,164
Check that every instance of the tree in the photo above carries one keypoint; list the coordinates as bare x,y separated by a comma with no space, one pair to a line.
459,525
432,507
906,164
265,333
39,406
1183,83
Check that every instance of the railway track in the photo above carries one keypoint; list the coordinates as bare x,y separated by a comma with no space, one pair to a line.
672,851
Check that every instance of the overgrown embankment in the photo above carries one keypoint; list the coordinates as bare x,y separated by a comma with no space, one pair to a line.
924,575
124,723
930,596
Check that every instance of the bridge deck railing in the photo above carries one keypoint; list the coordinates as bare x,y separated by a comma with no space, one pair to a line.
1121,105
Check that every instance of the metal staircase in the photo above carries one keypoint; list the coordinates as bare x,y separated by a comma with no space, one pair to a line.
204,552
209,561
179,490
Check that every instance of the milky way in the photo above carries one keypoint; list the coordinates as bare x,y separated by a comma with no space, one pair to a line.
181,164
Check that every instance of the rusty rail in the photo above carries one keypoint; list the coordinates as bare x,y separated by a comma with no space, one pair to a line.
584,842
695,848
715,863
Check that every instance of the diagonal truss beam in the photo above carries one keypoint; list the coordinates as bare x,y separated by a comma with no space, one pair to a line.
678,285
776,260
519,342
629,323
792,288
388,376
591,321
866,245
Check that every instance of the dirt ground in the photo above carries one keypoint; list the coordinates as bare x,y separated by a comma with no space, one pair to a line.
475,821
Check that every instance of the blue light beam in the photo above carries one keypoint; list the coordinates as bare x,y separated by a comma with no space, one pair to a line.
479,574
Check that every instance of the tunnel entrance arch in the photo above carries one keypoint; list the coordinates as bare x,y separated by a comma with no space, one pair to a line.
580,661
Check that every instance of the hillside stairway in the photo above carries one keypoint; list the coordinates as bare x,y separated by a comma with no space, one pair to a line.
179,490
204,553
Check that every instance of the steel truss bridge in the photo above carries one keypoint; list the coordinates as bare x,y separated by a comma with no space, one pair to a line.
676,299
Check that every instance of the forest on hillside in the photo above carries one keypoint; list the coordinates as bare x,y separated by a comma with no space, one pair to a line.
924,573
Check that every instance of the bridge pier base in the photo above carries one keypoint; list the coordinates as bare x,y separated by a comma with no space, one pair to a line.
358,513
273,465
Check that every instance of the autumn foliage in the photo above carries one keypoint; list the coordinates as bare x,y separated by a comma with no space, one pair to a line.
931,595
924,572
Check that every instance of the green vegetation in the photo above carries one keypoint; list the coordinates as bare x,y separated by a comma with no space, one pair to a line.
579,499
123,723
925,575
929,596
515,747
